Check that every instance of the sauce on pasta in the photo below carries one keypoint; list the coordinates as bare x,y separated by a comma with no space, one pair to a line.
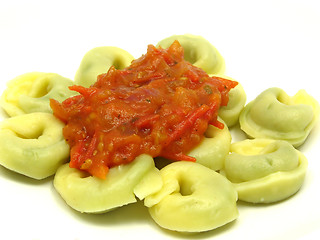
160,105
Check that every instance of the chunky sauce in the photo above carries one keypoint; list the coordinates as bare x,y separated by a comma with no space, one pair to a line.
160,105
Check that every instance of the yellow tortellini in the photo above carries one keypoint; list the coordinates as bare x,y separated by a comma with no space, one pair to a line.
182,196
265,170
90,194
31,92
274,114
198,51
32,144
98,60
193,198
237,99
213,149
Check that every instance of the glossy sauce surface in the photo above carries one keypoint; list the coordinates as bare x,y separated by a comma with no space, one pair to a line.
160,105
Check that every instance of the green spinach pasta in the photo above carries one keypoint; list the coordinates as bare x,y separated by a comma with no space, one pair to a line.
118,128
274,114
33,145
265,170
97,61
237,99
30,92
214,148
199,52
86,193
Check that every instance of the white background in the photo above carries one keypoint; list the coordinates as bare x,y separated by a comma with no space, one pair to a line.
264,43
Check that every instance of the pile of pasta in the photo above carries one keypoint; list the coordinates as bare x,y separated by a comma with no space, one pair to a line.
181,196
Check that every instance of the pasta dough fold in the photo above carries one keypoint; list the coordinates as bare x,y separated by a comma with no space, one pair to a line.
98,60
198,51
33,144
274,114
213,149
237,99
265,170
193,198
32,91
89,194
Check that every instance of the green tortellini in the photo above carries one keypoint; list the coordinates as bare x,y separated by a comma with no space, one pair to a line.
265,170
86,193
198,51
213,149
32,91
237,99
274,114
33,145
193,198
98,60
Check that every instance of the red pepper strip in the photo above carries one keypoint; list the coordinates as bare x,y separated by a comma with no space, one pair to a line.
72,100
80,154
192,76
183,126
76,153
146,121
92,146
217,124
178,157
86,92
59,111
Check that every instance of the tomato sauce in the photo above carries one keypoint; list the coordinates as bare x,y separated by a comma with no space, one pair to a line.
160,105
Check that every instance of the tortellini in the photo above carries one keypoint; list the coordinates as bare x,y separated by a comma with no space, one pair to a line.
274,114
237,99
193,198
33,145
265,170
30,92
198,51
98,60
86,193
213,149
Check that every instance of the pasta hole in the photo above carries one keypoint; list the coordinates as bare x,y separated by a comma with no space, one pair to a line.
32,135
118,64
210,134
185,188
84,174
41,88
190,55
283,99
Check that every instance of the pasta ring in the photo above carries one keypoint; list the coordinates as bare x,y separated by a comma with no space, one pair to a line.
86,193
31,92
97,61
273,114
33,145
214,148
265,170
193,198
198,51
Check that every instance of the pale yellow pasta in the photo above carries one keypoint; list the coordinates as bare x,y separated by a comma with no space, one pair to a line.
33,145
213,149
193,198
237,99
31,92
150,183
198,51
265,170
86,193
97,61
274,114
